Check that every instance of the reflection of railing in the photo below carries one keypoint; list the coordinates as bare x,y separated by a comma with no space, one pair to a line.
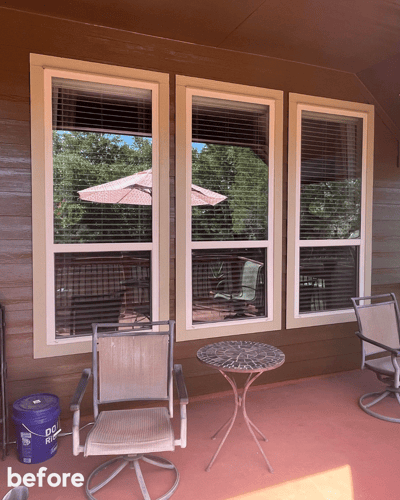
328,282
137,288
312,285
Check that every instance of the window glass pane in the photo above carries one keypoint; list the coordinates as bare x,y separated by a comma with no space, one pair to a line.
101,134
103,287
331,165
230,159
328,278
228,284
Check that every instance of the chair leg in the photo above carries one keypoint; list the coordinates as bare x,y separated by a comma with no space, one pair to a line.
165,464
142,484
379,396
103,466
134,461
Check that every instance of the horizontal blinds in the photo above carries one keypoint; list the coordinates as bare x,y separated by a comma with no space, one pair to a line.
228,284
331,165
328,278
91,106
230,157
101,133
104,287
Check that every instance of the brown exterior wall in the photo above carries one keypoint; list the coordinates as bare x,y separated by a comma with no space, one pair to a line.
309,351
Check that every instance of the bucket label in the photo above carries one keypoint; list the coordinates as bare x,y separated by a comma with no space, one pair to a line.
50,434
26,449
37,401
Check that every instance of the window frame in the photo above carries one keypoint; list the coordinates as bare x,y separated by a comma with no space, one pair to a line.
43,68
186,87
298,103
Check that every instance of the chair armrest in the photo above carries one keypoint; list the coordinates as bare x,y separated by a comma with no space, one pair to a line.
396,352
183,400
75,406
180,385
80,390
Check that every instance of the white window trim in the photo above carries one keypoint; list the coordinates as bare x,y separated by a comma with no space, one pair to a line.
186,87
43,68
298,103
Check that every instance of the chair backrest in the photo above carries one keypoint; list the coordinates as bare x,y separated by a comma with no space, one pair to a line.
378,320
132,362
249,279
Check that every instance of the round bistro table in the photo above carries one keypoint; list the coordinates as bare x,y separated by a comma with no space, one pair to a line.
232,357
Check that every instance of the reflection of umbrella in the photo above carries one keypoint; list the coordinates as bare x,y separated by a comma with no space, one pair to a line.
136,190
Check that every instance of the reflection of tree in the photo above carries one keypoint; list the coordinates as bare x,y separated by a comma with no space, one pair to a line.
331,210
240,175
85,159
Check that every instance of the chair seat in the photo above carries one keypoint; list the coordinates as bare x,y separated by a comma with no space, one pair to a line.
245,296
128,432
381,365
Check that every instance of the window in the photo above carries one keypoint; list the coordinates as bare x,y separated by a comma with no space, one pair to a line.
97,243
330,199
228,209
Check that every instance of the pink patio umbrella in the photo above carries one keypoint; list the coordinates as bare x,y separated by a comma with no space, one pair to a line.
136,190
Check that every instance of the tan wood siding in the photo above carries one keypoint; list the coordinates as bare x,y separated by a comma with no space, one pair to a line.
309,351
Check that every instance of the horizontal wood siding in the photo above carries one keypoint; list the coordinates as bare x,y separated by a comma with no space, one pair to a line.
309,351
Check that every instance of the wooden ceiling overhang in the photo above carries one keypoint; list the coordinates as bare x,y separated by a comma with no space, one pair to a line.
359,36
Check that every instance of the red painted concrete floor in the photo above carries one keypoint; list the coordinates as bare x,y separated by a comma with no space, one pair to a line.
321,446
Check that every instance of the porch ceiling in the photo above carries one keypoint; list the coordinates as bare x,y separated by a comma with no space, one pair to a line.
361,36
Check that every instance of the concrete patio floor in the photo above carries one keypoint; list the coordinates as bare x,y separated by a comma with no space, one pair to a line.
321,445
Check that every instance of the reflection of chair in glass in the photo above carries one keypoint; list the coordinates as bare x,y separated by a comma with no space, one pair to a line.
133,364
247,293
88,289
85,309
378,322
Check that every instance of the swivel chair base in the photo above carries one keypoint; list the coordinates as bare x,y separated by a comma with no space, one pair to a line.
133,461
379,396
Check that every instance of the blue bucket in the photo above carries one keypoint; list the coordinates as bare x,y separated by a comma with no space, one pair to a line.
36,425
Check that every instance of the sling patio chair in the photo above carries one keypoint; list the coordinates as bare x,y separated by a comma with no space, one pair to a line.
131,362
378,323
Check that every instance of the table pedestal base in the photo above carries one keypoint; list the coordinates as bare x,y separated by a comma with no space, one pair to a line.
240,402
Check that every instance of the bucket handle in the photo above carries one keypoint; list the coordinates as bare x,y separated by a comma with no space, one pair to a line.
40,435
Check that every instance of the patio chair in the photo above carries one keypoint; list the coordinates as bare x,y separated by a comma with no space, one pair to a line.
131,362
17,493
248,288
378,322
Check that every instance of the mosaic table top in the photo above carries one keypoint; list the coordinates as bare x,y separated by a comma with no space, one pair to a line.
241,356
